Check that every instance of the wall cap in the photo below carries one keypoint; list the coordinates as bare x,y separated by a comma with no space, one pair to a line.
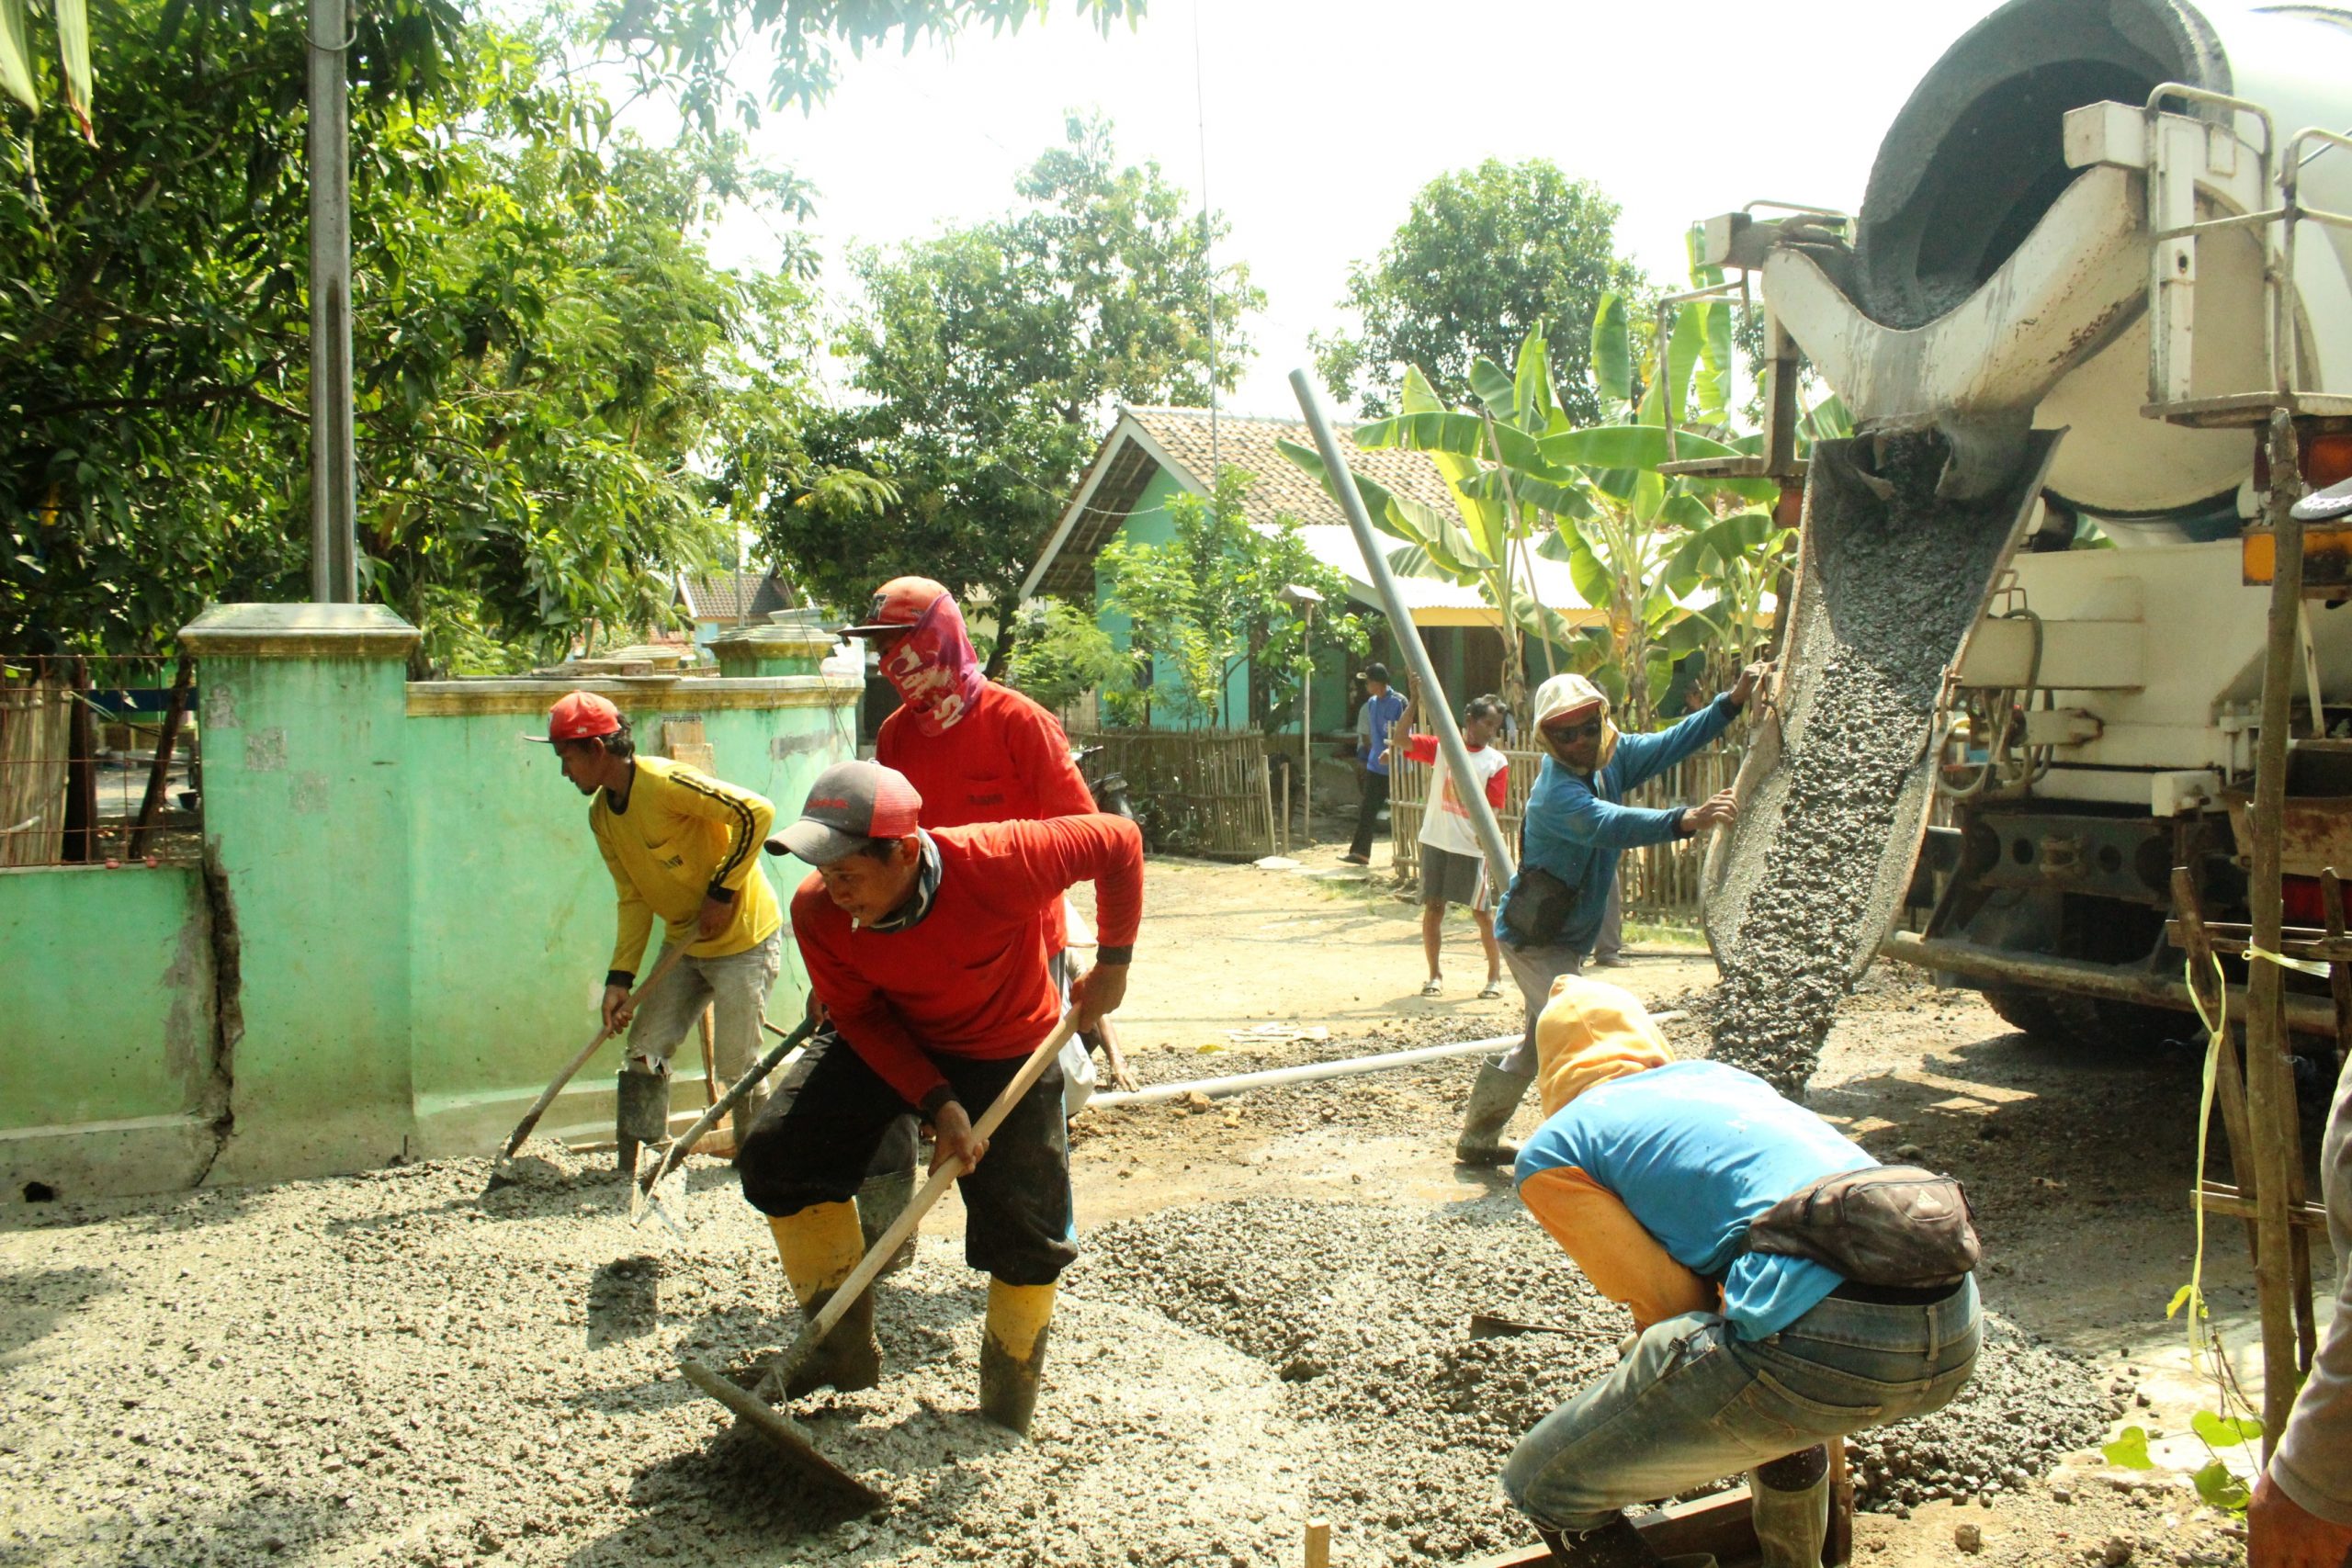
300,631
632,694
772,641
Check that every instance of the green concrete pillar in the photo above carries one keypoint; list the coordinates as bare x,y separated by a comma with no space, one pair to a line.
306,818
772,649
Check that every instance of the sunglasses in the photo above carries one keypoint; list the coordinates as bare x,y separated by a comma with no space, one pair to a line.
1570,733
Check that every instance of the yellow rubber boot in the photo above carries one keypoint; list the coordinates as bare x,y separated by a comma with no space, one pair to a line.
1012,1352
819,1246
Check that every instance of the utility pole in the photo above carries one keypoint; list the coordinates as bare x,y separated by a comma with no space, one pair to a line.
335,562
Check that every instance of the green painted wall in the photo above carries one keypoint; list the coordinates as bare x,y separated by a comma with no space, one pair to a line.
106,992
1148,523
512,918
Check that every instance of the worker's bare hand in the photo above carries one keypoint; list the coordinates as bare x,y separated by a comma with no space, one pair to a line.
616,1008
713,919
1745,687
2282,1534
1721,807
815,1013
953,1141
1100,990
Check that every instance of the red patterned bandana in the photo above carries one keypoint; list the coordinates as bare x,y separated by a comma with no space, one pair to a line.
934,667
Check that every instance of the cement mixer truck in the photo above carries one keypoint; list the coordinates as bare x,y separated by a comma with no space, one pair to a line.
2103,245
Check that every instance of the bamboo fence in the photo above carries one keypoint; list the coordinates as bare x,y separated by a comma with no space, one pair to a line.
36,711
1200,792
1660,881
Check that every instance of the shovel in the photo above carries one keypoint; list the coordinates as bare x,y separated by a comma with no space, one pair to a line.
790,1438
681,1147
539,1106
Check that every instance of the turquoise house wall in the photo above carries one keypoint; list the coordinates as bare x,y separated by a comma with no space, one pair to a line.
1147,523
400,935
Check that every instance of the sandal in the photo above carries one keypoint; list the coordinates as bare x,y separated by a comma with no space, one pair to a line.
1434,988
1494,988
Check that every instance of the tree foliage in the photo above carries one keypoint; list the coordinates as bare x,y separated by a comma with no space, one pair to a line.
988,359
1485,255
1209,601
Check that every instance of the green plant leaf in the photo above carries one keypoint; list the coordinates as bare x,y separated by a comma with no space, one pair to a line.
73,52
1711,387
1613,352
1534,404
1413,561
1624,446
1596,584
16,55
2220,1488
1493,388
2222,1431
2129,1449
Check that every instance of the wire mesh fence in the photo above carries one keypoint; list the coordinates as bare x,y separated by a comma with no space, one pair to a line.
99,759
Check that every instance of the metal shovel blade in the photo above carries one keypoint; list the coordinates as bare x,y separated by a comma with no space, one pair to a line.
786,1436
1486,1326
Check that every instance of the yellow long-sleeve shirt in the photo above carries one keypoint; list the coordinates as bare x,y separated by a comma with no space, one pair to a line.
683,836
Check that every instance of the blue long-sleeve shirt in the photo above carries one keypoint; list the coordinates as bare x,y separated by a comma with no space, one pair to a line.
1577,824
1373,722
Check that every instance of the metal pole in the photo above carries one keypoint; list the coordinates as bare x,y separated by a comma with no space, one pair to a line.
2269,1085
1307,725
1409,637
334,575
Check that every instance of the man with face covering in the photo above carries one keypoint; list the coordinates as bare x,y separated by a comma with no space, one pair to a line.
975,751
1577,824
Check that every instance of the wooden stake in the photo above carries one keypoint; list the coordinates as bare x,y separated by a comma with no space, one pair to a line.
1318,1544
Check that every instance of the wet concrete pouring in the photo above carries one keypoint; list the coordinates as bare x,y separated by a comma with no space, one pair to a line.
1901,579
400,1367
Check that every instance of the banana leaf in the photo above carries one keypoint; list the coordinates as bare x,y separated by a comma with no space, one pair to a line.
73,52
1493,389
1534,405
1612,352
16,54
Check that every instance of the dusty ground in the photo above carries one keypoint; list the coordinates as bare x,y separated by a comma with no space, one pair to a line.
397,1368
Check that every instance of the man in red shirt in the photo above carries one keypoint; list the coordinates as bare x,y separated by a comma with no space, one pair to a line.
924,949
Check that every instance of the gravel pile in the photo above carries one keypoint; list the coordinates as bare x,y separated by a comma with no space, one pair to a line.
1899,586
398,1369
1404,1422
2026,1405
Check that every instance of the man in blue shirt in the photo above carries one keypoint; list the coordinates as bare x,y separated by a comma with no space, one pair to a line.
1382,708
1647,1172
1577,824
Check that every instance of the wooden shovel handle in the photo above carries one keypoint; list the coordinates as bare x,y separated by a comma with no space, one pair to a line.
539,1106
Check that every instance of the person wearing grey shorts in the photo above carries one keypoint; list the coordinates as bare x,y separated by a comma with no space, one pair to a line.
1453,868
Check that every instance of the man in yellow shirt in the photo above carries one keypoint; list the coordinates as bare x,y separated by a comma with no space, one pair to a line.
684,847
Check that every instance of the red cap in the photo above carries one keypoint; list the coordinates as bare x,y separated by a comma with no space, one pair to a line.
898,604
579,715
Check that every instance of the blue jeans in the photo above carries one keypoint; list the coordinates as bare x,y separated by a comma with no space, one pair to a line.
1694,1402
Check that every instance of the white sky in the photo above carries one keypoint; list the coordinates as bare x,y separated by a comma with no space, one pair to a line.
1323,121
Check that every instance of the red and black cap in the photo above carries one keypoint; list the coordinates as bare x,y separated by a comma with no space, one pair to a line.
898,604
850,803
579,715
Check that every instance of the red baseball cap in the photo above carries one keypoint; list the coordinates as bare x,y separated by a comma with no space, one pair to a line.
850,803
898,604
579,715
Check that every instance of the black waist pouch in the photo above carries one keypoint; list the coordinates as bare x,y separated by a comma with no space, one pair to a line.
1888,1225
1537,908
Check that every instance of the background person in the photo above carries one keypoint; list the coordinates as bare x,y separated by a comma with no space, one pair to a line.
1381,709
684,846
1577,825
1454,867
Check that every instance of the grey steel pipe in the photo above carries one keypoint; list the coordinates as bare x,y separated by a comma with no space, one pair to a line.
334,574
1342,487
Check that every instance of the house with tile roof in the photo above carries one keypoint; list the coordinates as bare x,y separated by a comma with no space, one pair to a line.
1155,454
720,601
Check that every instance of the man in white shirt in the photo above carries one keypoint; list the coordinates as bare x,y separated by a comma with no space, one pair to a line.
1453,868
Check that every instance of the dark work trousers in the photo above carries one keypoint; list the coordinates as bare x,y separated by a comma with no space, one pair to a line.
1375,795
900,1142
817,1147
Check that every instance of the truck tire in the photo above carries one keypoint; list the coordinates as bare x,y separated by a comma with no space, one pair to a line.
2033,1013
2059,1018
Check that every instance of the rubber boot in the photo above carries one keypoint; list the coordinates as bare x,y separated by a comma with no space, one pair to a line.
640,1113
819,1246
880,1200
1493,1099
1789,1501
1012,1352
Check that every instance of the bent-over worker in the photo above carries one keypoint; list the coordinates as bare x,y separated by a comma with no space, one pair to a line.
924,947
1648,1170
1576,826
686,847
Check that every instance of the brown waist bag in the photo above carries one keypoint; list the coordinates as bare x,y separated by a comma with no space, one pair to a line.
1888,1225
